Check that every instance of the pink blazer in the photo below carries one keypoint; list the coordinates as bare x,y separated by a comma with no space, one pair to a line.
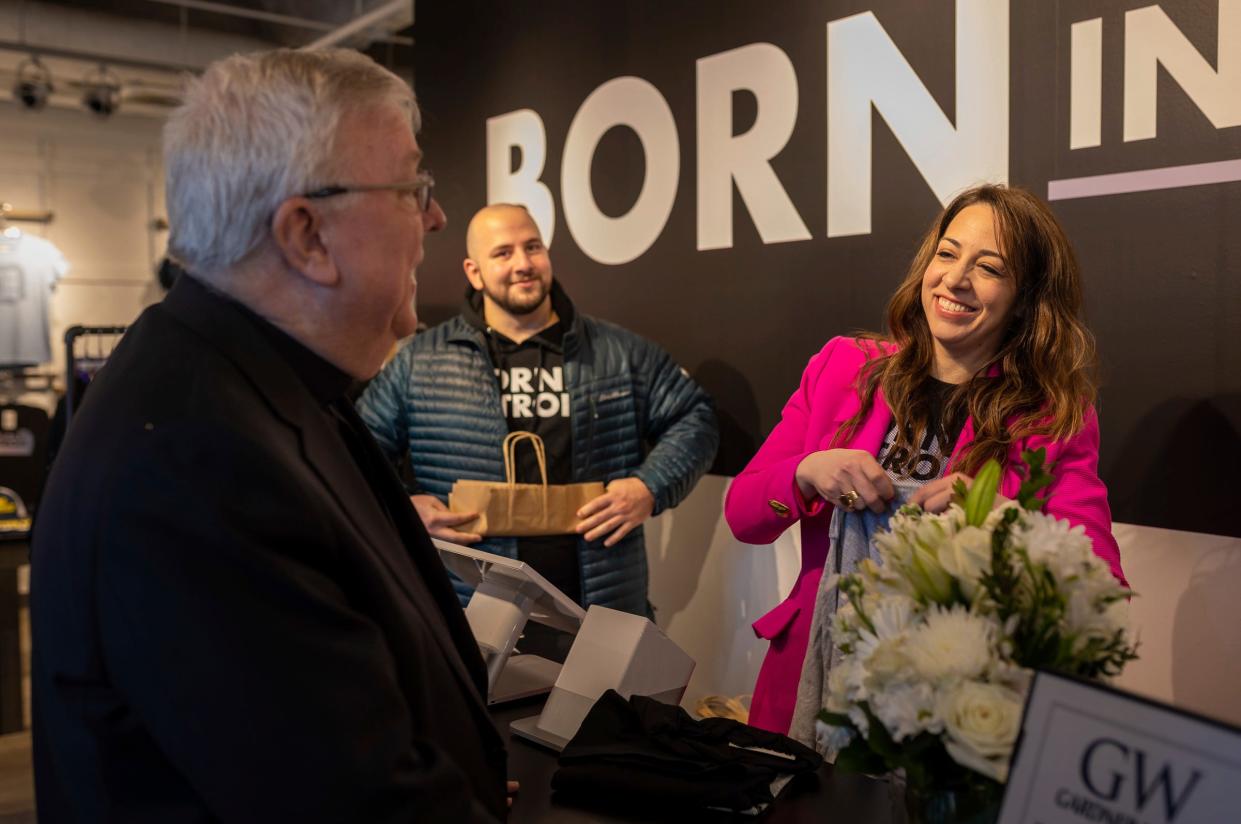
764,500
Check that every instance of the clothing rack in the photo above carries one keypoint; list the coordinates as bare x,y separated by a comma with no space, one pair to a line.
87,348
19,380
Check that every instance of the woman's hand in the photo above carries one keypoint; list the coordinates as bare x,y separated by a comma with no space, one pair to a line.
938,494
835,473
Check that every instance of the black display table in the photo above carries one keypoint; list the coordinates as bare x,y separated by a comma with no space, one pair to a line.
826,796
14,552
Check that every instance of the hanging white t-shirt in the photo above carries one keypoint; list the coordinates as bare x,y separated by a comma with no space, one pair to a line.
29,268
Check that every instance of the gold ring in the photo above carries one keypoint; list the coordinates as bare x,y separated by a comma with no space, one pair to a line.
848,499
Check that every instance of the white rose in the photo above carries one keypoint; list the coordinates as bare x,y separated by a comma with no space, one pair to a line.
981,722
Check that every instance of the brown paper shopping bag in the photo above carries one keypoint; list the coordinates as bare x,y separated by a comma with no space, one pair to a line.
513,509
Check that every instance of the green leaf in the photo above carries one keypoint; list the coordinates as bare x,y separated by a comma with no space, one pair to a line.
982,493
836,719
857,757
878,737
959,492
1035,478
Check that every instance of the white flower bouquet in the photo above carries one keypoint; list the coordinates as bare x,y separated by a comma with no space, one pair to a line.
938,641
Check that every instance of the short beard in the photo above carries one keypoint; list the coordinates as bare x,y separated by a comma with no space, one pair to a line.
517,309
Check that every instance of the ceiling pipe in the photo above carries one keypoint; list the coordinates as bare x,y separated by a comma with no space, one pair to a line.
372,18
97,57
271,17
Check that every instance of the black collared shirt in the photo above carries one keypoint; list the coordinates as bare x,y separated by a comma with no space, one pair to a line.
328,385
325,381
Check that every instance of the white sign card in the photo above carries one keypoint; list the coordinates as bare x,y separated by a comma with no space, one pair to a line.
1090,753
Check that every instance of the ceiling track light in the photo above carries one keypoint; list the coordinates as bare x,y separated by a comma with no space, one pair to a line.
103,91
33,85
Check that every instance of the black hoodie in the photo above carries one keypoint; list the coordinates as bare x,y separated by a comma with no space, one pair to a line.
534,398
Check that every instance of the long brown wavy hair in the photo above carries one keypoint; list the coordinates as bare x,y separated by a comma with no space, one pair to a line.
1046,359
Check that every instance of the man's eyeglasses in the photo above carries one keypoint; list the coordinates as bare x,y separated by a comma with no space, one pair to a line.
422,189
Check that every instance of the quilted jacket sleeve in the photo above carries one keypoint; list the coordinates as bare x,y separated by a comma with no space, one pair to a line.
681,426
383,406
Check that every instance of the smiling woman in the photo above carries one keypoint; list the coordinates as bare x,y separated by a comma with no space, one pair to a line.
985,356
967,295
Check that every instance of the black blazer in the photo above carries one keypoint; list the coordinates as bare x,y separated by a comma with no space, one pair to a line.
227,624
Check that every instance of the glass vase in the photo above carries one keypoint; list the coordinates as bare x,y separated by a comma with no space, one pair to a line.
975,803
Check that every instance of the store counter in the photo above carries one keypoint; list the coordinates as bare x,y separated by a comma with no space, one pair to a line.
828,795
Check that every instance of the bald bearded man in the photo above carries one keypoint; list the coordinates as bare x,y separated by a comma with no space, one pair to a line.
609,405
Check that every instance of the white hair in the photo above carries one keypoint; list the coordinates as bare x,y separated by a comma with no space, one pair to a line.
254,130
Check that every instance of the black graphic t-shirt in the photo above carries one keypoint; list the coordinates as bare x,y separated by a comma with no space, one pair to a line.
534,398
929,458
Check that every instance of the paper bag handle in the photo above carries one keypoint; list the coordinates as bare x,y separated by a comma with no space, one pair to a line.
510,449
510,463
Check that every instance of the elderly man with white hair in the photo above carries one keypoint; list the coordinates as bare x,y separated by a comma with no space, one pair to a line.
237,614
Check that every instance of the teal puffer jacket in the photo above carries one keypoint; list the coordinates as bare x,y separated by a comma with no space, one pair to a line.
438,400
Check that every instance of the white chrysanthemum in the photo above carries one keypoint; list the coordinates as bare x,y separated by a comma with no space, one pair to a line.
967,557
1087,617
997,514
859,720
885,662
881,651
846,683
881,580
844,625
907,710
952,643
981,721
1064,548
891,615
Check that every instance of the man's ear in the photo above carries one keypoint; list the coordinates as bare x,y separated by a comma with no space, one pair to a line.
297,231
472,273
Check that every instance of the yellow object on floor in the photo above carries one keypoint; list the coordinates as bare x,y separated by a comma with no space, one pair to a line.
721,706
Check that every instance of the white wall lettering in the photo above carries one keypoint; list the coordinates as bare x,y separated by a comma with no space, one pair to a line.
864,67
524,129
1086,84
766,71
635,103
1151,38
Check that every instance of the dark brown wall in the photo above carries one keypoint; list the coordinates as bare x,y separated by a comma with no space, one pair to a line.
1163,268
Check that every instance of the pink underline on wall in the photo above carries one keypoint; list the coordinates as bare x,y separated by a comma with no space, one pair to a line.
1145,180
